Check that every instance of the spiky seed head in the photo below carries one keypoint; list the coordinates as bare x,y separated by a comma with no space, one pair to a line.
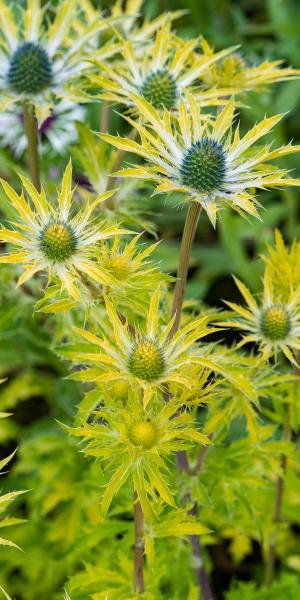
160,89
275,323
146,361
30,69
231,67
143,434
204,166
234,63
58,242
120,390
119,266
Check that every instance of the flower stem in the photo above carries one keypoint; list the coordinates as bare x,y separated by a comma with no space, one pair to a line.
188,236
31,130
105,116
271,557
201,576
138,546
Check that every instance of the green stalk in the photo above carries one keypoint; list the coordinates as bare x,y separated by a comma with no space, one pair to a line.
31,130
105,117
188,236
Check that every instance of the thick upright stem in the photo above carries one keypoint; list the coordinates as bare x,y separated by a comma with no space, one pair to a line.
188,236
138,546
202,579
31,130
105,116
271,558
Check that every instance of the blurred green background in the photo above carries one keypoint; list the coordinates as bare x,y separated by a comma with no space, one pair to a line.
36,392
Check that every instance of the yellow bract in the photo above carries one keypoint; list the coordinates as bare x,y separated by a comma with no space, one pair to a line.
283,266
146,359
138,442
233,73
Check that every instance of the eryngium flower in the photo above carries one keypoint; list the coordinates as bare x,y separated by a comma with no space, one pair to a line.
135,274
145,358
57,240
235,75
139,443
167,67
38,62
205,160
273,324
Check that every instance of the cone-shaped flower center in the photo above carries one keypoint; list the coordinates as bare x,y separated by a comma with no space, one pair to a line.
232,65
58,242
30,69
120,390
119,266
204,165
146,361
275,323
143,434
160,89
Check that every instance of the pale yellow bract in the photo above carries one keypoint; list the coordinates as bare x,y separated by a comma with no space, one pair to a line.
115,352
237,76
283,265
126,19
